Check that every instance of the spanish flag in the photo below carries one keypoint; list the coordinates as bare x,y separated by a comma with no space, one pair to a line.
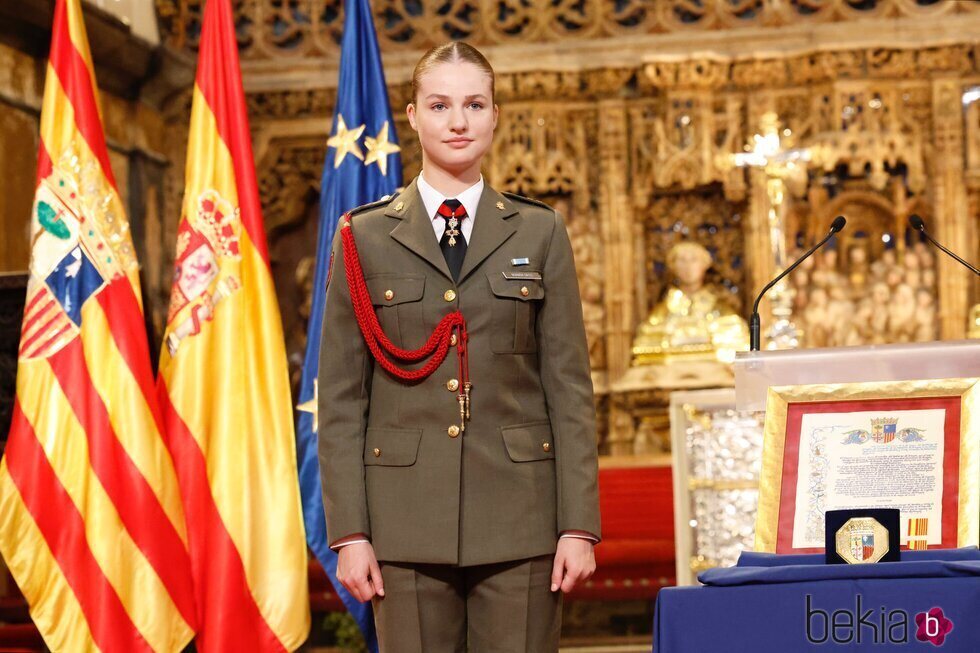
223,380
91,523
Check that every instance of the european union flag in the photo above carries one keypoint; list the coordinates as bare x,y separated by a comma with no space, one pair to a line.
362,165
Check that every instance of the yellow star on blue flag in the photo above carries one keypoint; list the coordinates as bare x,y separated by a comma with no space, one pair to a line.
379,147
344,141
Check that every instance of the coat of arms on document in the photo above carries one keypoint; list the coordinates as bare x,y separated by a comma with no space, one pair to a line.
884,430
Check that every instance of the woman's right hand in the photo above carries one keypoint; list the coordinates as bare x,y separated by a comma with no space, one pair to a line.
358,571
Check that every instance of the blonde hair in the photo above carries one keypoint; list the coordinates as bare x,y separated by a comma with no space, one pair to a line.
454,51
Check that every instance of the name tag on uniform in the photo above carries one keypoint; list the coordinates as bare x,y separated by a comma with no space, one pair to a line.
522,275
520,261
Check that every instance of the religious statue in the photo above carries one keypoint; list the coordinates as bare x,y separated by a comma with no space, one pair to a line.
858,269
973,327
886,300
587,250
693,321
925,316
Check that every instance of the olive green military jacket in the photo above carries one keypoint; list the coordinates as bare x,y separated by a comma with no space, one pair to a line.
525,467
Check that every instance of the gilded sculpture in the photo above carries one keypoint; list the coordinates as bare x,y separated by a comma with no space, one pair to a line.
693,321
860,301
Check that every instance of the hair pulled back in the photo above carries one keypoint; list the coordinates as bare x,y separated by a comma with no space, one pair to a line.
451,52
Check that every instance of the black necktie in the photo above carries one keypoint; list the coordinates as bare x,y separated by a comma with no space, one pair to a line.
452,242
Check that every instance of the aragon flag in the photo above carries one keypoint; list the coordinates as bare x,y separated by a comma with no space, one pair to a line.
223,380
91,523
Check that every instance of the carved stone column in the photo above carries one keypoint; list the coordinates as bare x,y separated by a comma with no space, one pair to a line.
758,242
616,220
950,206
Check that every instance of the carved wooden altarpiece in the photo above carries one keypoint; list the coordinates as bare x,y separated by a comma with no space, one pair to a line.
623,115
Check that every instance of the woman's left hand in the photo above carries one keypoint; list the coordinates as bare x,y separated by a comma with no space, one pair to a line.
574,563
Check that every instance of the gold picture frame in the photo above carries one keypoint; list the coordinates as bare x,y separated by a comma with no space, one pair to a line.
782,399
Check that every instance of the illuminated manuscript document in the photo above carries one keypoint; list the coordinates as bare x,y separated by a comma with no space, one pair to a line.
871,459
911,445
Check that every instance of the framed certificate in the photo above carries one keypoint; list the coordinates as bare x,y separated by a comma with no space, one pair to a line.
911,445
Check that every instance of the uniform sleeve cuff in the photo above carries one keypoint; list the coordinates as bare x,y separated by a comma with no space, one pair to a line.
580,536
338,547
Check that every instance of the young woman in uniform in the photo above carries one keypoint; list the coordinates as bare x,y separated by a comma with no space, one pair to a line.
456,418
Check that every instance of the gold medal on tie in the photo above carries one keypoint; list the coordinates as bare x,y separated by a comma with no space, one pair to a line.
453,231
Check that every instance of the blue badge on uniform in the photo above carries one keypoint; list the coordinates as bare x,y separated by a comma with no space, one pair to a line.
520,261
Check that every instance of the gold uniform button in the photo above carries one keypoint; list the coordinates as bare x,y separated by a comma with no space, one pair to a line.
452,385
453,431
449,295
453,340
546,446
524,291
377,452
389,295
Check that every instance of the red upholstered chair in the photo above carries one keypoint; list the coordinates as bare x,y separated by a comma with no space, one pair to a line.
636,556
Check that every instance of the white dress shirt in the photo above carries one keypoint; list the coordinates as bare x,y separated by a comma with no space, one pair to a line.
433,199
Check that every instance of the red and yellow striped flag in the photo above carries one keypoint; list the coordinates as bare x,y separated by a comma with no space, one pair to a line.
91,524
223,380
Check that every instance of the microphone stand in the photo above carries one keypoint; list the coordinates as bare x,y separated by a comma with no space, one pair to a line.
755,322
921,228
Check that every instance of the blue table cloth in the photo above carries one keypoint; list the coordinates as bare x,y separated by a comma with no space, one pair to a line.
930,601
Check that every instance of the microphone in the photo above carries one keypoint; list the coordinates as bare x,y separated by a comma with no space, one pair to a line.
755,323
916,223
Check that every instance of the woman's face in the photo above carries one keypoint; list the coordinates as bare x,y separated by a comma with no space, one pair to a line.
454,116
690,265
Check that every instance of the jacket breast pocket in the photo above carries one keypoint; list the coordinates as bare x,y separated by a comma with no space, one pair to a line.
515,308
397,303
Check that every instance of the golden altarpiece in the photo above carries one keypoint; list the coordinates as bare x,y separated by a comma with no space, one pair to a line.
742,125
649,123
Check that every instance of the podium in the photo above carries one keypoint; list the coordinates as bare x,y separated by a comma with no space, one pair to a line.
919,401
880,426
757,371
780,604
